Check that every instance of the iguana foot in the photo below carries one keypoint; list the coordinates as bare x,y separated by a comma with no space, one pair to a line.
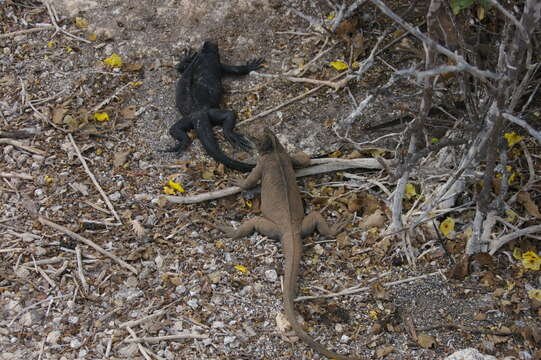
255,64
228,231
177,148
239,141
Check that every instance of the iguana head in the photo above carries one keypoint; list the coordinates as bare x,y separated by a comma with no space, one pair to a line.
267,142
209,47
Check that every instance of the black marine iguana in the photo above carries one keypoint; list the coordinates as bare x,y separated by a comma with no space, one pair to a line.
198,95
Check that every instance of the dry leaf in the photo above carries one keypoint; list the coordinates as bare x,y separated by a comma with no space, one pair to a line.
377,219
525,199
379,291
120,158
58,114
128,112
113,61
384,350
138,229
461,269
339,65
381,248
447,226
281,323
426,341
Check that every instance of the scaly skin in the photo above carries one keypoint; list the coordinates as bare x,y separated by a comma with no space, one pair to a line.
283,218
198,96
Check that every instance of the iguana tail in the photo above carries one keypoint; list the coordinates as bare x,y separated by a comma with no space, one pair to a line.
291,271
209,142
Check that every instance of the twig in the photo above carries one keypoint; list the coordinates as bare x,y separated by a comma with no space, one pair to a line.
496,244
142,349
94,181
80,268
33,306
15,175
108,100
10,250
332,84
23,146
290,101
52,12
133,323
353,291
26,31
536,134
16,134
157,339
88,242
328,165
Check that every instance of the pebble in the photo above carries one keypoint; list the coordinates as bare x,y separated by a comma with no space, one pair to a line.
271,275
193,303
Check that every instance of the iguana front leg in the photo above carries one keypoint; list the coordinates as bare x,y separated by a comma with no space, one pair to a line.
242,69
314,221
259,224
252,179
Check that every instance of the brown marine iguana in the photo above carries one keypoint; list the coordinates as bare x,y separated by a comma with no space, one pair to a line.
283,218
198,95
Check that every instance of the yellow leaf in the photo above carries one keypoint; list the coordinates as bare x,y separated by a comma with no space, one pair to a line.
511,215
101,116
241,268
248,204
534,294
355,65
410,191
335,154
167,190
339,65
331,16
136,83
51,44
434,140
512,138
219,244
114,60
175,186
81,22
480,13
377,152
531,260
447,226
69,49
48,179
373,315
99,151
92,37
517,253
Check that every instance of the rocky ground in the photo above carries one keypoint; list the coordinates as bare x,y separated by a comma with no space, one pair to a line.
174,274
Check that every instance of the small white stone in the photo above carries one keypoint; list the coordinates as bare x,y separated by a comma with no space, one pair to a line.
271,275
193,303
53,336
181,289
344,339
75,343
217,325
319,249
229,339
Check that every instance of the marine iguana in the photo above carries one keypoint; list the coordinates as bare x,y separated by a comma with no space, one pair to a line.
283,218
198,95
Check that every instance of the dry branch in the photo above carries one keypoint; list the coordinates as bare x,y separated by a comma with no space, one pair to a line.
23,146
88,242
321,166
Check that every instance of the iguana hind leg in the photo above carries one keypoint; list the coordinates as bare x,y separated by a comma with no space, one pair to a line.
227,120
314,221
242,69
259,224
179,132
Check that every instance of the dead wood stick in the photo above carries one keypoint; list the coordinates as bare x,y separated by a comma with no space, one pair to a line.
94,181
108,100
88,242
353,291
26,31
15,175
16,134
133,323
142,349
22,146
323,166
335,85
496,244
157,339
290,101
80,268
52,14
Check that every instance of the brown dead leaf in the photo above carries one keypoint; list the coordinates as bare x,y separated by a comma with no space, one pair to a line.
530,206
379,291
498,339
461,269
58,114
343,239
377,219
138,229
354,204
132,67
381,248
426,341
128,112
120,158
384,351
